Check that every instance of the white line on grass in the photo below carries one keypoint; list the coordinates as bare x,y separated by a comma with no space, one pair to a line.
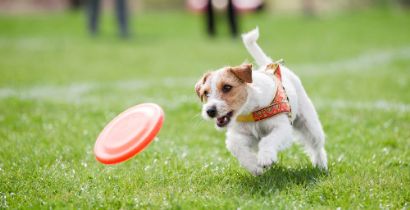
79,96
357,64
85,92
381,105
79,91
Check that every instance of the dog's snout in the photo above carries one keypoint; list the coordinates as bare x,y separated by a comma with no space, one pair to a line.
211,111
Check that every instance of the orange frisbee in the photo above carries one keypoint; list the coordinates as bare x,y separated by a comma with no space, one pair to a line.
128,133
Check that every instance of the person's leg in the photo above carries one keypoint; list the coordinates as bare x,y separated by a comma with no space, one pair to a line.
232,18
122,17
210,19
75,4
93,12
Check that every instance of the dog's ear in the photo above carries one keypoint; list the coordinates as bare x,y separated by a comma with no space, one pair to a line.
243,72
200,82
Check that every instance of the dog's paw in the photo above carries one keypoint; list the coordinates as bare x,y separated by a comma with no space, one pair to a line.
252,166
266,159
320,165
256,171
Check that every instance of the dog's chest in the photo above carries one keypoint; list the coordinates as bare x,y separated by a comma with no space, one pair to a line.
257,130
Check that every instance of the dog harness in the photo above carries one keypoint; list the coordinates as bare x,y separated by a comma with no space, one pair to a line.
279,104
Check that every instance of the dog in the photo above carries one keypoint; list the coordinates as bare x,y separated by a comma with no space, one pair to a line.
261,110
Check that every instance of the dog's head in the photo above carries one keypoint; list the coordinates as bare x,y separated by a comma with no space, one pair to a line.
224,92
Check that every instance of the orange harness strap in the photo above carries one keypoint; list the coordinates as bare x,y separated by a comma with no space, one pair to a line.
279,104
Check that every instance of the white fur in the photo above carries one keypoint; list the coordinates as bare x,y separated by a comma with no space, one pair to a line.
249,39
256,144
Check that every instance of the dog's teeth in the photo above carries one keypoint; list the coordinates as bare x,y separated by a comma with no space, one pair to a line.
222,121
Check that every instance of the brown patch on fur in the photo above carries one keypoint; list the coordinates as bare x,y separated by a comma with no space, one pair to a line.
201,87
243,72
237,96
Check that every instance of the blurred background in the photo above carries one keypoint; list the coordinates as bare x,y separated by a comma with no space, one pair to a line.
274,6
128,9
187,25
67,67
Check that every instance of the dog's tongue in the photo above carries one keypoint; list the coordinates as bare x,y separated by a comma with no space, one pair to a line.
222,120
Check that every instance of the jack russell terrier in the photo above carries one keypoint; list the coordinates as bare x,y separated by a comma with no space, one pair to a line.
261,109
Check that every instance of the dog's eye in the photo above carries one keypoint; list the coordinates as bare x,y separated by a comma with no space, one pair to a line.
204,96
226,88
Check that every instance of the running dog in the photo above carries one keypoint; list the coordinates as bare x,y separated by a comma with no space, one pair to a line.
261,110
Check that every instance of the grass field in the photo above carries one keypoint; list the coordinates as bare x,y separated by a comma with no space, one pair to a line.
59,87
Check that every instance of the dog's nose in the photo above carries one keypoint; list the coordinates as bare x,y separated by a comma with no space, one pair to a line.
211,111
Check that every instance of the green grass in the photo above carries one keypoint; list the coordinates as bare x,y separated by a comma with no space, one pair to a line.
58,88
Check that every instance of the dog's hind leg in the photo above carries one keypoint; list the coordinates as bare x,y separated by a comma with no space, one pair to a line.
312,136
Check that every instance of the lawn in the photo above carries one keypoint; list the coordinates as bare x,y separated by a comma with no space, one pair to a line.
59,87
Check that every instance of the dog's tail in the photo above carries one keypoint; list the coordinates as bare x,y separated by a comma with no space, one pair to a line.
249,39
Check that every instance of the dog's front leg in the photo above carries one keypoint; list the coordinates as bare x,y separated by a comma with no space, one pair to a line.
240,146
270,145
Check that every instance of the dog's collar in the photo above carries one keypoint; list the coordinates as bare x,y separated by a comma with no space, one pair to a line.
279,104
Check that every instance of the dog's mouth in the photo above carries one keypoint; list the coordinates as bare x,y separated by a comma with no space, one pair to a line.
224,120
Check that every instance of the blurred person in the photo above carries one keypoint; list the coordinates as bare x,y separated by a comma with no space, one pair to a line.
93,13
231,12
232,7
76,4
308,7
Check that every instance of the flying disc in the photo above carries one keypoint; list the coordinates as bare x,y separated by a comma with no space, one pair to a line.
129,133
